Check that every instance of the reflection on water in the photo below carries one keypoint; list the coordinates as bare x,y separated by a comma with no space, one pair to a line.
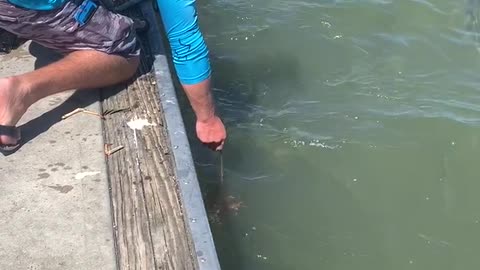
354,133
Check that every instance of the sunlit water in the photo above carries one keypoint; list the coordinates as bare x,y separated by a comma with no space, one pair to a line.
354,134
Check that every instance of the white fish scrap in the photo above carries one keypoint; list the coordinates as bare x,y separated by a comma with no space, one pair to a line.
139,124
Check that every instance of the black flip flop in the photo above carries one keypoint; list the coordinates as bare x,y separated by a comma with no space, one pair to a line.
10,131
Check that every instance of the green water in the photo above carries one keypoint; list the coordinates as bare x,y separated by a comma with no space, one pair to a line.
354,133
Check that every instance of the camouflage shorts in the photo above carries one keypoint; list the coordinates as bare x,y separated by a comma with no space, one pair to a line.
57,29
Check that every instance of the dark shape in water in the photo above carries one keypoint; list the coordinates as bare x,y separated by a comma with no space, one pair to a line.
222,208
219,203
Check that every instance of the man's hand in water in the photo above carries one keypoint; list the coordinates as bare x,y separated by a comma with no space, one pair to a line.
210,128
212,133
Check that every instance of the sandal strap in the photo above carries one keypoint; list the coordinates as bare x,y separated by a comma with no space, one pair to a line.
11,131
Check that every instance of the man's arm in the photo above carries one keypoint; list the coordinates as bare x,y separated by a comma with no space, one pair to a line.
191,59
210,129
201,100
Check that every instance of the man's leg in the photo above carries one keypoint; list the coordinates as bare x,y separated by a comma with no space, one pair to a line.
78,70
103,52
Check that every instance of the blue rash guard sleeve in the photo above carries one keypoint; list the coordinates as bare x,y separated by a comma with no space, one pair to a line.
189,50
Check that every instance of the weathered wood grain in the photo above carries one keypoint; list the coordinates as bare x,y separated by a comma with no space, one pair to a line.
149,227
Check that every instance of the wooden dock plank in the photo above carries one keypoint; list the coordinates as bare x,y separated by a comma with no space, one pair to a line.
149,226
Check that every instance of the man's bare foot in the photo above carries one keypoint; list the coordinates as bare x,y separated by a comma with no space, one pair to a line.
13,104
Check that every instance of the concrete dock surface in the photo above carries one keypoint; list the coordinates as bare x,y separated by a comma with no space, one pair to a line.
54,203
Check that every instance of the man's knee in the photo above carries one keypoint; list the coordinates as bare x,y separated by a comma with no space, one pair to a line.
132,66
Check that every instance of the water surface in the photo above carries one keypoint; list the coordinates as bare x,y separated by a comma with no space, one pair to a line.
354,133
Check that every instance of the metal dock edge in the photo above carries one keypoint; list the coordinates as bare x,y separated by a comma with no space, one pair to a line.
191,196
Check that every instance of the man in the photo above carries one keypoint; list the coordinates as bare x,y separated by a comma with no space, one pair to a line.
100,49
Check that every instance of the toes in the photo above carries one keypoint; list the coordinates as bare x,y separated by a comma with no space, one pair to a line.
8,140
9,137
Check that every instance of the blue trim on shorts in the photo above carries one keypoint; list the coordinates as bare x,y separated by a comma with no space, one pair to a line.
189,50
42,5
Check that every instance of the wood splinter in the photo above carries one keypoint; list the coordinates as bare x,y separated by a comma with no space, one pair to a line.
109,152
81,110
